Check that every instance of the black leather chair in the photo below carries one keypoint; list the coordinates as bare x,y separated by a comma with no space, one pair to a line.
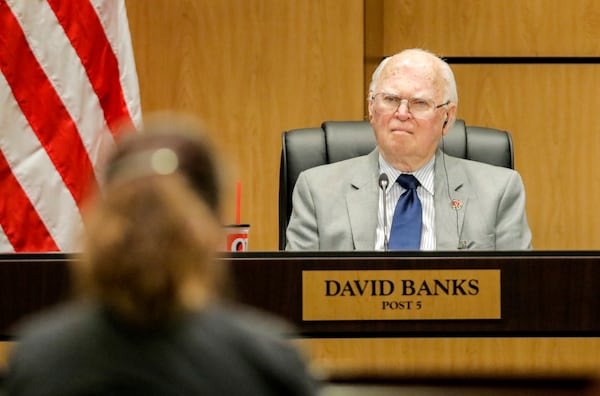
339,140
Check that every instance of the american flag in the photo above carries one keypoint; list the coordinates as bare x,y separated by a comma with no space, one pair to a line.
67,81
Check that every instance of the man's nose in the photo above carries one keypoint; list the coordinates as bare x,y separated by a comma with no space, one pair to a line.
403,111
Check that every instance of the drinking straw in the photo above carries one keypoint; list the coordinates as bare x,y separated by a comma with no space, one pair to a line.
238,200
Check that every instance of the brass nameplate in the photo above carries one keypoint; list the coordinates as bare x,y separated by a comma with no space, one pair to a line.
401,294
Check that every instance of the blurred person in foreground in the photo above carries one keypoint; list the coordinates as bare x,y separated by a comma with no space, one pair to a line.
458,204
149,321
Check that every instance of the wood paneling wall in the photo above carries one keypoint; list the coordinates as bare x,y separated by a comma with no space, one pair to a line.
550,108
251,69
493,28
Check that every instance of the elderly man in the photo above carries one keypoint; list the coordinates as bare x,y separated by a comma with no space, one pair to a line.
432,201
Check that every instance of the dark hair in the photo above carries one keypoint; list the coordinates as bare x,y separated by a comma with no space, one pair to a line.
154,232
186,138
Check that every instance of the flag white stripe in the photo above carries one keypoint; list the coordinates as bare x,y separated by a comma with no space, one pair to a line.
5,245
36,174
113,17
66,74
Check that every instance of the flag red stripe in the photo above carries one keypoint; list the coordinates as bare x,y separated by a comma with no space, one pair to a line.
42,107
87,36
20,221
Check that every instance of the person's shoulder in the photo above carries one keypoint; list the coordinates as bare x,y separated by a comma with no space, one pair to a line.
347,166
53,341
56,328
55,320
234,320
477,167
261,340
485,177
250,332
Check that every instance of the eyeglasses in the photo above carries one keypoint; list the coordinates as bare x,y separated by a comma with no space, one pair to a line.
385,103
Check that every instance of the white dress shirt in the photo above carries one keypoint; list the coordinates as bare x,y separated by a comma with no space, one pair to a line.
393,191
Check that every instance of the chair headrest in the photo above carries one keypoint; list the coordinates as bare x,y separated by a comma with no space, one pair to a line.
348,139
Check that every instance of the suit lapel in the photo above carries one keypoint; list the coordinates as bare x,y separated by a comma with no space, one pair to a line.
451,201
362,203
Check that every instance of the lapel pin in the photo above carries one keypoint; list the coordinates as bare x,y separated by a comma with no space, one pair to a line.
456,204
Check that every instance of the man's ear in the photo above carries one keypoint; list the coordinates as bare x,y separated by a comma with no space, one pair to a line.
450,117
370,110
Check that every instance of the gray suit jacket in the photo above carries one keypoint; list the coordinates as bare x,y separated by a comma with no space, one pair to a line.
335,206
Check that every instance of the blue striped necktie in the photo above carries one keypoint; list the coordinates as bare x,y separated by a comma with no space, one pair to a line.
407,223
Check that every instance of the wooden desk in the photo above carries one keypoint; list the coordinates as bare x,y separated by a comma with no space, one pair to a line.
550,320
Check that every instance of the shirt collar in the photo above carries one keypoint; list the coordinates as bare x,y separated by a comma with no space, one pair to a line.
424,174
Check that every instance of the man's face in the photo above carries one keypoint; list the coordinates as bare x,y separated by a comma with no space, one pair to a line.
406,140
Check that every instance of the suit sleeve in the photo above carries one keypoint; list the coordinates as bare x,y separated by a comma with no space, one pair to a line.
512,228
302,231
